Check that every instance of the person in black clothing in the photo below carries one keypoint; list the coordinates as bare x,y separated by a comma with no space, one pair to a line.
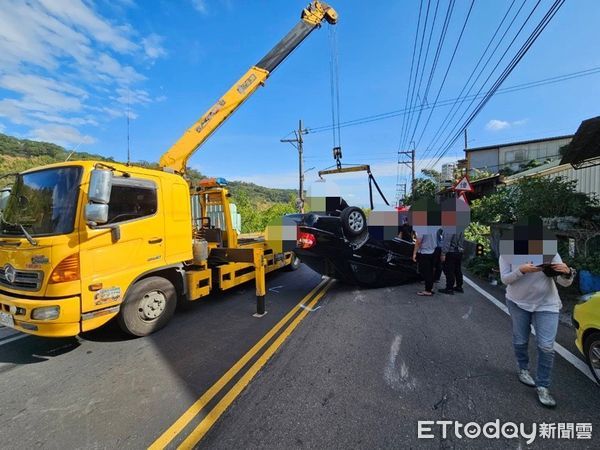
437,256
451,256
406,231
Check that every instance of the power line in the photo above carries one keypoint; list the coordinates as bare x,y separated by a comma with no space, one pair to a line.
507,71
447,102
406,108
444,126
412,96
449,64
418,90
469,79
452,113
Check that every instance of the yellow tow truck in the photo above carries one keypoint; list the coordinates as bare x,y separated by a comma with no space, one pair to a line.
83,242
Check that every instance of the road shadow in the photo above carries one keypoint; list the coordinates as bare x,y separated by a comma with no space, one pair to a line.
33,350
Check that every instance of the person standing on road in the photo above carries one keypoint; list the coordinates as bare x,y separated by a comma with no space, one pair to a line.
532,299
451,257
423,255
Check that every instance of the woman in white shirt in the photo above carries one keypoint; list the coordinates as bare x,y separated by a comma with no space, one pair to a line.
532,299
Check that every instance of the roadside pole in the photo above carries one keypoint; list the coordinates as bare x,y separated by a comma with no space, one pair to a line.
298,142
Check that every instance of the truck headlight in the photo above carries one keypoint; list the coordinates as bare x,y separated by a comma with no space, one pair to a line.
45,313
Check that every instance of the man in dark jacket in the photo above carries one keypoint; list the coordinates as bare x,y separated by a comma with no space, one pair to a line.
452,254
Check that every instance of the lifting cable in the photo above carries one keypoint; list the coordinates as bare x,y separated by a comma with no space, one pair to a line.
334,80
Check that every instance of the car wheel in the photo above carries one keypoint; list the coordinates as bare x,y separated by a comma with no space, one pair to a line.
354,221
591,347
148,306
295,264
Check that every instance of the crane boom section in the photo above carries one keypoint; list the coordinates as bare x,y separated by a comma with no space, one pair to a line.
175,159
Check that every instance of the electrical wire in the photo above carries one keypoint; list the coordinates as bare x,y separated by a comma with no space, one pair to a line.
507,71
452,112
418,142
450,101
418,89
444,126
449,64
412,91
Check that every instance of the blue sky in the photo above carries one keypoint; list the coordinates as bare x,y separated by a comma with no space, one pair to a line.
69,68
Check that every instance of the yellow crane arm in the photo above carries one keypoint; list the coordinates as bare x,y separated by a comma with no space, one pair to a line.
175,159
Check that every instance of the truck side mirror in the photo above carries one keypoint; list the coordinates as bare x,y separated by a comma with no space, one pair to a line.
100,186
4,196
96,213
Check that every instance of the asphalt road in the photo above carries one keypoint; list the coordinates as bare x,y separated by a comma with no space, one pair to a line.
106,390
368,365
359,371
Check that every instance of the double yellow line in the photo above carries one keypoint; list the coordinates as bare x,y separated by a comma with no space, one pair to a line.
212,416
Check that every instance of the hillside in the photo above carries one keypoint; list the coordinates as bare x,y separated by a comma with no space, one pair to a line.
17,155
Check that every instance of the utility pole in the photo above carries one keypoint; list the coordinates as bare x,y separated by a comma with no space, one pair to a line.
400,188
298,142
466,140
410,163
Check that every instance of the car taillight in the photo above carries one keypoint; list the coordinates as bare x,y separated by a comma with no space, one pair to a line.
306,240
67,270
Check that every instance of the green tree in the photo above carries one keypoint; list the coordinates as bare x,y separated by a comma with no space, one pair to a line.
551,197
498,207
423,188
533,197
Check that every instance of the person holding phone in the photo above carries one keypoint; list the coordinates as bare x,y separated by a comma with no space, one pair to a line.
532,299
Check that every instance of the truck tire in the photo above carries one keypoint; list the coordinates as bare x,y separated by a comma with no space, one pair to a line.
295,264
354,221
149,304
591,348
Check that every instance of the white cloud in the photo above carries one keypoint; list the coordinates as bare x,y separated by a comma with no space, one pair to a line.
133,96
78,15
61,134
497,125
2,128
153,46
61,61
200,6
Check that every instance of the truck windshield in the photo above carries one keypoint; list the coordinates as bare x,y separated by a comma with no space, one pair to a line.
43,202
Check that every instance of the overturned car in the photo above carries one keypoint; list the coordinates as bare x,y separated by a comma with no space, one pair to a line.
338,242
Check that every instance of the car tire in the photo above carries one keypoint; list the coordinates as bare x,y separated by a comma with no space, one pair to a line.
148,306
591,348
354,221
294,265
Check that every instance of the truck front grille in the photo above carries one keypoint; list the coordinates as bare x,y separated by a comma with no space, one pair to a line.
26,280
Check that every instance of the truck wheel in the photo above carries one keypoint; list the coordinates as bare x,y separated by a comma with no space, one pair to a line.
148,306
354,221
295,264
591,347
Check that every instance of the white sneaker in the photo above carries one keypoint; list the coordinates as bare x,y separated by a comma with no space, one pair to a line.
526,378
545,398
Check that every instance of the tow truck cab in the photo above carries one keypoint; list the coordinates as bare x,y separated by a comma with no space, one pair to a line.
69,275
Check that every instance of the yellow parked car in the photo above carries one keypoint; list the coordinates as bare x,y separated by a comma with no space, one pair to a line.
586,318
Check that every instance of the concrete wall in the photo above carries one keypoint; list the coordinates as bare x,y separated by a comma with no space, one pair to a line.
482,159
514,155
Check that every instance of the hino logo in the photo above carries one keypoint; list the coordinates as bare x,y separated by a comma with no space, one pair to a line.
10,273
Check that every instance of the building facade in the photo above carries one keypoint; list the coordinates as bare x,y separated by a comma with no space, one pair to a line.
513,155
448,171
